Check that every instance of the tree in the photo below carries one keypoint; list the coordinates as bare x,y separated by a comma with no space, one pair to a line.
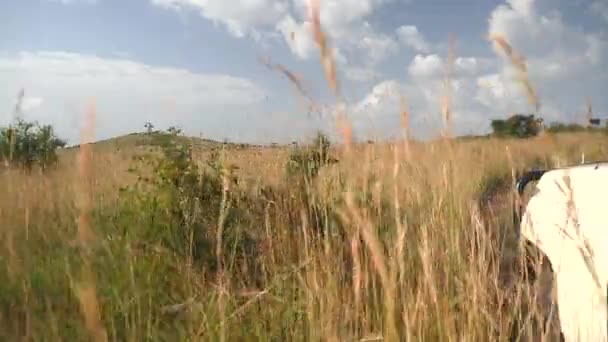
308,161
518,125
149,127
26,144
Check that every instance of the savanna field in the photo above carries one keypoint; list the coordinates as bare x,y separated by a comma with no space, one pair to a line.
158,237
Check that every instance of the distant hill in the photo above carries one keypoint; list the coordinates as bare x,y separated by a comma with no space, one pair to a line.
148,139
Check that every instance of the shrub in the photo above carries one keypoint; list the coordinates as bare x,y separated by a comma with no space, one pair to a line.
306,162
27,144
302,168
191,209
518,126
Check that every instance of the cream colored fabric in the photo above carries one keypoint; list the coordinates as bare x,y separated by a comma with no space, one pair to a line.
567,219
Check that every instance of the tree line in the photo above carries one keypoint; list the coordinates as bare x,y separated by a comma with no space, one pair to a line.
528,125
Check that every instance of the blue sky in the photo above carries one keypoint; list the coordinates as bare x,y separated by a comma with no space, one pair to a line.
195,63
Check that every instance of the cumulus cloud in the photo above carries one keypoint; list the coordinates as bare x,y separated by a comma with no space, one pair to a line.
338,16
384,91
411,37
468,65
344,23
342,20
378,46
565,66
299,36
565,63
31,103
426,66
377,114
361,74
380,108
434,66
366,49
240,17
58,86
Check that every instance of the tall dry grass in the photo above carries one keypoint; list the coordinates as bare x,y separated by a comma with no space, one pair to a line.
411,247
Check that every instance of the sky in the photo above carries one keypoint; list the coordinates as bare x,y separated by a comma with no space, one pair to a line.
197,64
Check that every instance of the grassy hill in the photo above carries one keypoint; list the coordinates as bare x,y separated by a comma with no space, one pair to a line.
394,240
147,139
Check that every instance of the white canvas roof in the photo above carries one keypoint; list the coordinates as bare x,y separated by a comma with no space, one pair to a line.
567,219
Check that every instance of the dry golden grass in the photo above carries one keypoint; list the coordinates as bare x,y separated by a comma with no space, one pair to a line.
408,252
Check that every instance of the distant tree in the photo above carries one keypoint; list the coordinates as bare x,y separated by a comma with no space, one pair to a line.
518,125
27,144
594,122
309,160
174,130
499,127
149,127
559,127
595,125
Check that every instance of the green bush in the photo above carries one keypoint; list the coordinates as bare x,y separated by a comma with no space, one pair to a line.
517,126
29,144
191,209
302,168
307,161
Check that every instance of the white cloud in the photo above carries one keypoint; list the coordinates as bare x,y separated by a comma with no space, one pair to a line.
567,68
338,16
468,65
491,88
411,37
299,37
500,93
434,66
485,89
601,8
472,106
240,17
342,20
377,46
426,66
565,63
361,74
524,7
384,91
30,103
127,94
366,49
378,112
